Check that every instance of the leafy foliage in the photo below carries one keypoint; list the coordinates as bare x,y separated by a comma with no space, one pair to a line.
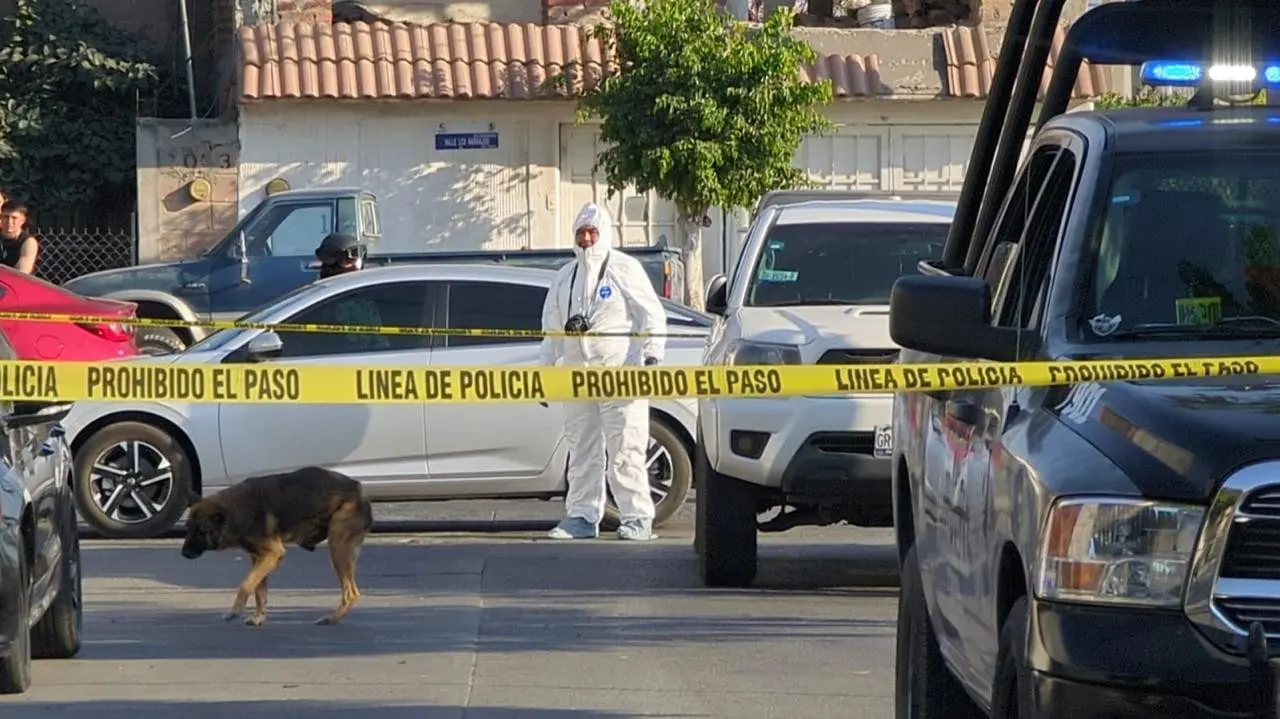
69,82
1146,97
705,110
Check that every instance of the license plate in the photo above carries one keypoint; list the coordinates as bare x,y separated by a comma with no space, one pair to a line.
884,441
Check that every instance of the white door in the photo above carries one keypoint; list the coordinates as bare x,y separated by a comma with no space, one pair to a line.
929,158
501,441
369,442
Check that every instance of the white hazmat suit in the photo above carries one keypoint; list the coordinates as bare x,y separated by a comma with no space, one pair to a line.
611,290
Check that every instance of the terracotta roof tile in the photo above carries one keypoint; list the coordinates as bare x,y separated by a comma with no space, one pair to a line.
454,61
971,63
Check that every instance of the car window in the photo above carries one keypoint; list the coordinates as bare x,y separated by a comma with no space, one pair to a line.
1187,240
494,305
853,263
293,230
403,304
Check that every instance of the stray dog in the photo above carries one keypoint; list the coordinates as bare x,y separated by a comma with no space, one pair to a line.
261,514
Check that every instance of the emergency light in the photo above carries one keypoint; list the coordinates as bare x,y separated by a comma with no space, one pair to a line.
1179,73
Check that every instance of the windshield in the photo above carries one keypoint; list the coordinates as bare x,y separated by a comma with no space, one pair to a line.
1189,246
846,263
220,338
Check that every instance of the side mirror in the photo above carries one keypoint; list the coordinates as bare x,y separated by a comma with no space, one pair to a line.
29,414
948,316
718,295
243,248
264,346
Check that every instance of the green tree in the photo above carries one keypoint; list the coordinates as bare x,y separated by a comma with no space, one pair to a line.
69,84
707,111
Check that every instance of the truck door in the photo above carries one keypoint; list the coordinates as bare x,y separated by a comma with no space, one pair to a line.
279,245
999,417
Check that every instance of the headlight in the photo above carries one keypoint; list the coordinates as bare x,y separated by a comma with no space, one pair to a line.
744,352
1117,551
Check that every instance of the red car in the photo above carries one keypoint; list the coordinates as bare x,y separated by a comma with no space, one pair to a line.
63,341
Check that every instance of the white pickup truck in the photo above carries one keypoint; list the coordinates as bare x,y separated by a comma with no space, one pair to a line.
811,286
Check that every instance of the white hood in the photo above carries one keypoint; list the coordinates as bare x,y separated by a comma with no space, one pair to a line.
818,329
593,215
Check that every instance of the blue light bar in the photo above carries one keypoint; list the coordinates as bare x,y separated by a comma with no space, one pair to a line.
1169,73
1271,75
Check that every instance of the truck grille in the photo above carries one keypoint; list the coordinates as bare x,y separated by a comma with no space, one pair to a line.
1253,550
844,442
1234,577
858,356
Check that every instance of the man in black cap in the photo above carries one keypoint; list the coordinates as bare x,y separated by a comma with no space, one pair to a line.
339,254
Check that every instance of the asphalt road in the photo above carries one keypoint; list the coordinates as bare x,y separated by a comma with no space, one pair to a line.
494,624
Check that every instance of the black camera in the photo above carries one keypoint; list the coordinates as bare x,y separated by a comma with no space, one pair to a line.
577,325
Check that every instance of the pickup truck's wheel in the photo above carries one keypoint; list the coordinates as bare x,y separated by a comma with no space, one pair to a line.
725,531
158,341
57,635
925,687
15,667
1012,690
132,480
670,473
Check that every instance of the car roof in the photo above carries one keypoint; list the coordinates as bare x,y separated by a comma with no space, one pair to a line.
866,211
444,271
1175,129
309,192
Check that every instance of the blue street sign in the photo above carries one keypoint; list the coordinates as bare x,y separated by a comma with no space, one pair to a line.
467,141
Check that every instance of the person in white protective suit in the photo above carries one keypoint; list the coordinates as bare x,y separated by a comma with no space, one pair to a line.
608,292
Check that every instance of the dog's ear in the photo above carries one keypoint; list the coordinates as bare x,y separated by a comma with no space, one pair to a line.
216,520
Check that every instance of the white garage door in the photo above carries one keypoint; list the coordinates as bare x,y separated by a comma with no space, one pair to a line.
902,158
640,219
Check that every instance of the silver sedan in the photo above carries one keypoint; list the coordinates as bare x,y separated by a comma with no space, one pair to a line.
137,462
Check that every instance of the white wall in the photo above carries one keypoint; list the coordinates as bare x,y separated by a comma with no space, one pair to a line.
430,200
526,192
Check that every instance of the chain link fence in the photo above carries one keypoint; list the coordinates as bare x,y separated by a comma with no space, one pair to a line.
68,253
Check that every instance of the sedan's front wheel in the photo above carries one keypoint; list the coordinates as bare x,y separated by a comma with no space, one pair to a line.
132,480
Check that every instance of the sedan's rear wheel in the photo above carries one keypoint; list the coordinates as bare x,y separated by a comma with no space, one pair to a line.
132,480
670,473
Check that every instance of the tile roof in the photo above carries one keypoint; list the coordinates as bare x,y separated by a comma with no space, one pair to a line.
971,63
452,61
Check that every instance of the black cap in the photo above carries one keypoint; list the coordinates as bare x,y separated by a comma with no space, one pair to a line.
336,247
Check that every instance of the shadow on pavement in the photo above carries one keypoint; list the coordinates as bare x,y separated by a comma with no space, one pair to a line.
123,631
317,710
515,568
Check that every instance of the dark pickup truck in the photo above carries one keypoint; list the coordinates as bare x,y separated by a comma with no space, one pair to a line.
271,251
1102,549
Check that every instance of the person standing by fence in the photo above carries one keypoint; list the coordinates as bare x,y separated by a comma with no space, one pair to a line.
18,247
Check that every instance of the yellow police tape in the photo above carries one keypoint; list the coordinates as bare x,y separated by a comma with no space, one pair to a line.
270,382
319,328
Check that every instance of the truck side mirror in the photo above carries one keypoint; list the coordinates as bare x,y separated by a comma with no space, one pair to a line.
243,248
949,316
717,302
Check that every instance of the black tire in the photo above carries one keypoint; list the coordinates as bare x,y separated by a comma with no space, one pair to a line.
1012,687
726,527
681,479
15,666
158,341
57,634
174,503
924,687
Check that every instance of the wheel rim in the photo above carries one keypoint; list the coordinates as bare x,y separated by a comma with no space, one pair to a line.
131,482
661,471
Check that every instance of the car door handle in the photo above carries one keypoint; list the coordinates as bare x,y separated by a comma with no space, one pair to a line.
194,286
312,265
963,411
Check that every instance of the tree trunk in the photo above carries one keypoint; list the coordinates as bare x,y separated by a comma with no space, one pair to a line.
691,257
